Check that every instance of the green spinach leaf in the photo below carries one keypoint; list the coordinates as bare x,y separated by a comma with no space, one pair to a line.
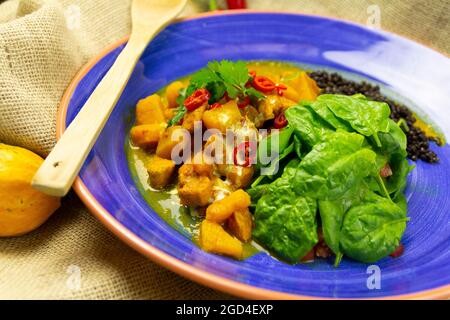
286,223
373,229
307,125
332,213
364,116
393,141
273,146
334,166
298,147
393,151
321,108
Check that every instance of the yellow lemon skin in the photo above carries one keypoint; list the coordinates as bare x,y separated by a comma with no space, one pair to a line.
22,208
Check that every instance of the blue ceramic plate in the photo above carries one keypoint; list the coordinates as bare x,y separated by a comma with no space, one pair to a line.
416,74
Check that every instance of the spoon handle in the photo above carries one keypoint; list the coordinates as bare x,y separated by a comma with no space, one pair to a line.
57,173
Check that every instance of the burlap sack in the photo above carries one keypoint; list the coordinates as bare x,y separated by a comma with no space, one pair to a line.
42,45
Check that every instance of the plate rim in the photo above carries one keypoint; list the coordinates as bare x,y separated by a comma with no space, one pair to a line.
156,255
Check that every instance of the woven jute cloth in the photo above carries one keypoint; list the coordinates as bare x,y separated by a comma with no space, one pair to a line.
42,45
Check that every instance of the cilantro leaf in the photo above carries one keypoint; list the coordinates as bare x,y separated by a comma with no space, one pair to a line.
178,116
218,78
252,92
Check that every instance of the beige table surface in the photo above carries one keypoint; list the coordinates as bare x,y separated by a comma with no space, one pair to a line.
41,48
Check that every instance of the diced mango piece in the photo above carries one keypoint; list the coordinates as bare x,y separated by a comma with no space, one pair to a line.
240,177
195,191
150,111
292,94
305,86
223,117
213,238
221,210
191,117
147,135
172,93
160,171
240,224
309,89
172,136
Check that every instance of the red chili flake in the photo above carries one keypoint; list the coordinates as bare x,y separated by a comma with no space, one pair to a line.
215,106
242,103
280,88
398,252
197,99
263,84
244,154
280,121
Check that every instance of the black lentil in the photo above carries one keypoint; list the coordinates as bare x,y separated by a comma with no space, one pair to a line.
418,143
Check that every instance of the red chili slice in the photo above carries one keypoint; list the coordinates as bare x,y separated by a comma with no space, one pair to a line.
280,88
215,106
263,84
398,252
280,121
197,99
244,154
242,103
252,73
237,4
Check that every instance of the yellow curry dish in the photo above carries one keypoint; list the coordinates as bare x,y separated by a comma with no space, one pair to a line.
251,156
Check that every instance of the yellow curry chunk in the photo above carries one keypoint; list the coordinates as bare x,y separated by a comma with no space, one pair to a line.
171,137
292,94
195,185
172,93
160,171
307,87
240,177
150,111
272,105
252,114
223,117
169,113
195,191
240,224
195,167
222,209
192,117
147,135
213,238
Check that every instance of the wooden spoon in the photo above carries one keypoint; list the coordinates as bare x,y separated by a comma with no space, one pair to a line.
57,173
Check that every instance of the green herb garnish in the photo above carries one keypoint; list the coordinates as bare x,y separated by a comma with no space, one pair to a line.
218,78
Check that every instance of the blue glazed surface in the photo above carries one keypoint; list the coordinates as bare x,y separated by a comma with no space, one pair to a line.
187,46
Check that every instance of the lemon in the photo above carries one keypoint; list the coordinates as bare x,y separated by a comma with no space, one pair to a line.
22,208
